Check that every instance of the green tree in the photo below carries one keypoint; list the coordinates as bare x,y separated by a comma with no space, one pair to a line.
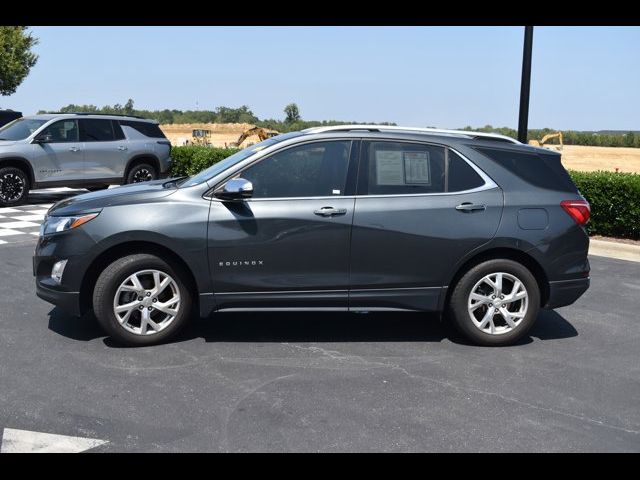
292,112
16,57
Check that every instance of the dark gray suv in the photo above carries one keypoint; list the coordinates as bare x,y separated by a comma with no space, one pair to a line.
78,150
348,218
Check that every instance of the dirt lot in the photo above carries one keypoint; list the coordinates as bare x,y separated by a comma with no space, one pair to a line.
577,157
574,157
222,134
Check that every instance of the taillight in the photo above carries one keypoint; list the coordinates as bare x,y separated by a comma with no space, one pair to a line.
579,210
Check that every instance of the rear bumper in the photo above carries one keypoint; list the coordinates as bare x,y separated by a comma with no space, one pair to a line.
68,301
565,292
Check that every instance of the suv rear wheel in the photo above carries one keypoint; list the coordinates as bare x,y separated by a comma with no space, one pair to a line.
142,172
14,186
141,300
495,303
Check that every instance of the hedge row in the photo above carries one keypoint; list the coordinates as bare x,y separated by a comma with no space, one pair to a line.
614,197
191,159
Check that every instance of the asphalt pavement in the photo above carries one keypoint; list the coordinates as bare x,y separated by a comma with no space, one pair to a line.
389,382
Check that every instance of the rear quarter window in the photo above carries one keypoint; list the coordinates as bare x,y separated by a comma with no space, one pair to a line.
539,169
151,130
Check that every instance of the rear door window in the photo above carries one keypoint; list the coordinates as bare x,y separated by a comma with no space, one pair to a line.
93,130
404,168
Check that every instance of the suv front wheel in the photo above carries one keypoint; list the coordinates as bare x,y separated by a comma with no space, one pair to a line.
142,172
495,303
141,300
14,187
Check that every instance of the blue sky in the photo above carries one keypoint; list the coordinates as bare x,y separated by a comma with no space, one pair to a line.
583,78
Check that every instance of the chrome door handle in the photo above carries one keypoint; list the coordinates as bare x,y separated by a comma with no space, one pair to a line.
122,147
329,211
73,149
470,207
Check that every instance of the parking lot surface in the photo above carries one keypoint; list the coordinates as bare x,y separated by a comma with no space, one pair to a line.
325,381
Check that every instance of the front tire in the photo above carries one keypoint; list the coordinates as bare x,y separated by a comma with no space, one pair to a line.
14,187
495,303
141,300
142,172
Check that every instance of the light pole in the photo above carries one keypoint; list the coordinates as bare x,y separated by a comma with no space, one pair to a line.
525,85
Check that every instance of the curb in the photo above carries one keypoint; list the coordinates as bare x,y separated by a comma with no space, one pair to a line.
621,251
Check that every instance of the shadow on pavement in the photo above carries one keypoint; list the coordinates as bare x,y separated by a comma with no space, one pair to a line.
320,327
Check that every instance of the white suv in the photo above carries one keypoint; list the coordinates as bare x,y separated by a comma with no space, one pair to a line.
79,150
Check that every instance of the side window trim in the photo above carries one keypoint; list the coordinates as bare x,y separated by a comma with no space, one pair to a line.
348,187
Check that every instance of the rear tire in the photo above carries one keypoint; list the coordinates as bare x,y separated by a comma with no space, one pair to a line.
161,313
142,172
495,303
14,187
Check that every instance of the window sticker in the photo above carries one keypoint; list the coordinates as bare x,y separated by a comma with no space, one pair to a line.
417,168
389,167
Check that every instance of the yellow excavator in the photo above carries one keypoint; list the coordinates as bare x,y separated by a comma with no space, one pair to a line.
262,133
542,142
200,136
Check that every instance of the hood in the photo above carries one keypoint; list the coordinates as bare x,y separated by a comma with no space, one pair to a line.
125,195
7,143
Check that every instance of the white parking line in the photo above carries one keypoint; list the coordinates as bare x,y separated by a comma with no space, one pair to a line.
18,224
30,218
5,232
25,441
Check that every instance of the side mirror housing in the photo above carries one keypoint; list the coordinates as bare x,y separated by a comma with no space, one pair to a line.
235,189
43,138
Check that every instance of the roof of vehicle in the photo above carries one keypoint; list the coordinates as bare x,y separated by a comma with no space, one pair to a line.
109,116
462,134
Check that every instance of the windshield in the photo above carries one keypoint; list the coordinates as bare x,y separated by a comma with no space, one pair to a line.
21,128
221,166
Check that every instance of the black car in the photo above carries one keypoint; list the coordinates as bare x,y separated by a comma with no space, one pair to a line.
347,218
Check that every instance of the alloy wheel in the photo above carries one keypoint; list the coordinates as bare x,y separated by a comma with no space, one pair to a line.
142,175
147,302
11,187
498,303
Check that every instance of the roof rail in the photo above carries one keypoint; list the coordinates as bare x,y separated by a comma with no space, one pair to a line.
96,113
433,131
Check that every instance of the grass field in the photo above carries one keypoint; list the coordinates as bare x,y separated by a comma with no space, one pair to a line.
574,157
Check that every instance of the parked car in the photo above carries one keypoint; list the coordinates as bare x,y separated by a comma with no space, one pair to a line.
79,150
348,218
7,116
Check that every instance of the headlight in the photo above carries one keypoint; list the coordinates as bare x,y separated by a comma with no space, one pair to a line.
61,224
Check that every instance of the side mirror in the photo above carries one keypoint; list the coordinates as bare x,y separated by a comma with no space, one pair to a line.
43,138
235,189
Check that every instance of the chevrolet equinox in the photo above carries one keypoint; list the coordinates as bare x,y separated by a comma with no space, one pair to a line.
348,218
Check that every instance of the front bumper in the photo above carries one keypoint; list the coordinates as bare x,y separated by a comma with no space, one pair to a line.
565,292
73,247
68,301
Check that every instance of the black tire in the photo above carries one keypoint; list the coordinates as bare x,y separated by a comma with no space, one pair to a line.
96,188
458,303
14,187
142,172
110,280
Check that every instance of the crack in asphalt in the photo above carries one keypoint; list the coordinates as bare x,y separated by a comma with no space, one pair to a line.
336,355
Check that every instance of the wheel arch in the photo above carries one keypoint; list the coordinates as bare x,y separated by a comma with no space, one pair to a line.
502,253
120,250
21,163
141,158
